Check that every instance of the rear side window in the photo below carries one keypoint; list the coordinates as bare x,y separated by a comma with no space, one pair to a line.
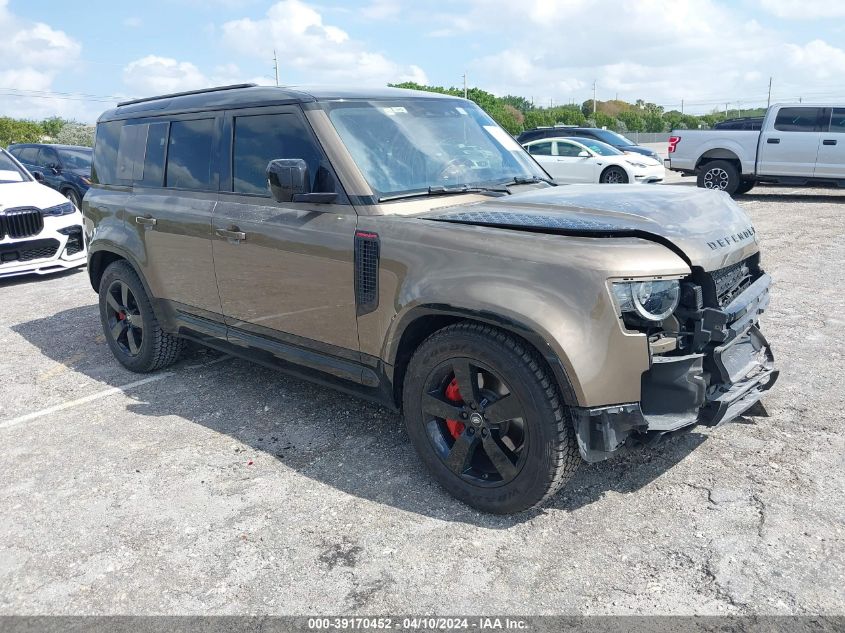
106,142
156,146
837,121
798,119
262,138
189,154
540,149
26,155
47,156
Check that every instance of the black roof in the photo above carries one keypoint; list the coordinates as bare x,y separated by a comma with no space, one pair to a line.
251,95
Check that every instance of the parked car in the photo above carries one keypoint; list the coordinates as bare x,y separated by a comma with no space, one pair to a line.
613,139
403,247
799,145
40,231
573,160
65,168
742,123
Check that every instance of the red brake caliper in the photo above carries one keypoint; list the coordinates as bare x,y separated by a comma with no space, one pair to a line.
453,394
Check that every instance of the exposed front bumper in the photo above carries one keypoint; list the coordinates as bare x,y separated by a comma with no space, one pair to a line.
58,246
680,391
649,175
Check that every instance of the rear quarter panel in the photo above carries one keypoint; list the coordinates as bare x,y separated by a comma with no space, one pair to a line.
729,144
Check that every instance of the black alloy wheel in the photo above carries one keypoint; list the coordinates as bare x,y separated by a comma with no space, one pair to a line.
475,422
124,320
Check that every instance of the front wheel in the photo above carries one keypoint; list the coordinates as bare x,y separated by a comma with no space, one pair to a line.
614,176
130,324
486,418
71,195
720,175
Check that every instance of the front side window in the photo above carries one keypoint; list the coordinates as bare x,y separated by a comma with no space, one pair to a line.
567,149
410,146
798,119
75,159
540,149
262,138
837,120
47,157
189,154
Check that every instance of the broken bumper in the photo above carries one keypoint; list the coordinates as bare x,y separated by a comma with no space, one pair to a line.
680,391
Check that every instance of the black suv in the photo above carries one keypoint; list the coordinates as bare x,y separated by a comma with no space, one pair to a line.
605,136
65,168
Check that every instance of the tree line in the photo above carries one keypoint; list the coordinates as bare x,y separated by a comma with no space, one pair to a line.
516,114
52,130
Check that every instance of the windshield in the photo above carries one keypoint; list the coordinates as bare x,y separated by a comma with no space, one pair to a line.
9,171
612,138
76,159
409,145
602,149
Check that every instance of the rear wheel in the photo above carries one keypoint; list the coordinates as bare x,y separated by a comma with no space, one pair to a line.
487,420
721,175
614,176
130,325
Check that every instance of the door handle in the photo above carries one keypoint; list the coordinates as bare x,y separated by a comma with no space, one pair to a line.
773,141
829,141
145,220
233,233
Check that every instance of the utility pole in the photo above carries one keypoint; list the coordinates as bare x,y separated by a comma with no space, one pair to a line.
726,110
682,106
276,66
465,84
769,100
594,100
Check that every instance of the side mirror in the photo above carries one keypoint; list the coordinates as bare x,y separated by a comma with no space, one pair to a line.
38,176
288,177
290,181
583,154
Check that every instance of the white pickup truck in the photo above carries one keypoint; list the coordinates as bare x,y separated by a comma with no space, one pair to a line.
799,144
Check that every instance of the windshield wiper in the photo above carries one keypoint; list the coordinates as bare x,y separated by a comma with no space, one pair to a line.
440,190
526,180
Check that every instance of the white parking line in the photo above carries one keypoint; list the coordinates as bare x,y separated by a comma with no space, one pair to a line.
97,396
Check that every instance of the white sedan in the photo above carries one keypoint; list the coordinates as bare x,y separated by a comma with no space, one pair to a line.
40,230
573,160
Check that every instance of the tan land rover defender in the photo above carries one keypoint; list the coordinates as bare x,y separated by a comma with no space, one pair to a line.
402,246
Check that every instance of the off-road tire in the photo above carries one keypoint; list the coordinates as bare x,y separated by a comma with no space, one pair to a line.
553,455
158,349
721,175
614,175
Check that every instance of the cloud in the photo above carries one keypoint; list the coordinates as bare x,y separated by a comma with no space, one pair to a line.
321,52
702,51
381,10
803,9
133,22
32,54
154,75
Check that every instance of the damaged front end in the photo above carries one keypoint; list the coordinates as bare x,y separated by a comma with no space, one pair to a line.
709,362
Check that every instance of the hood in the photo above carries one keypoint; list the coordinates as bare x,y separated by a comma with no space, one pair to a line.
705,227
28,194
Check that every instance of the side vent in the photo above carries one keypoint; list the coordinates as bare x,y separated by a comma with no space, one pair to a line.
366,271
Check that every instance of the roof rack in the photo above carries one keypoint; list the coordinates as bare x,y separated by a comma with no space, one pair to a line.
186,93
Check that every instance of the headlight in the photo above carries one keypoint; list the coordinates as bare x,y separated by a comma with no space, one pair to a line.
635,163
60,209
651,300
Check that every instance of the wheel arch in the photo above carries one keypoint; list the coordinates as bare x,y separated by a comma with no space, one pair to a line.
719,153
422,321
99,258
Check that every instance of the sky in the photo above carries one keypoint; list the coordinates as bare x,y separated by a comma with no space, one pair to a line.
76,60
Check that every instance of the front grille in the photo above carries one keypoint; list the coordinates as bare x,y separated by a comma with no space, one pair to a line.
28,251
21,222
731,281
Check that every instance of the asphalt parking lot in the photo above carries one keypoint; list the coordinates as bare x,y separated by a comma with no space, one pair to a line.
220,487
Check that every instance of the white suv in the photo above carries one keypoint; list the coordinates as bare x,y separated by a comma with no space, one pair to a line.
40,231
